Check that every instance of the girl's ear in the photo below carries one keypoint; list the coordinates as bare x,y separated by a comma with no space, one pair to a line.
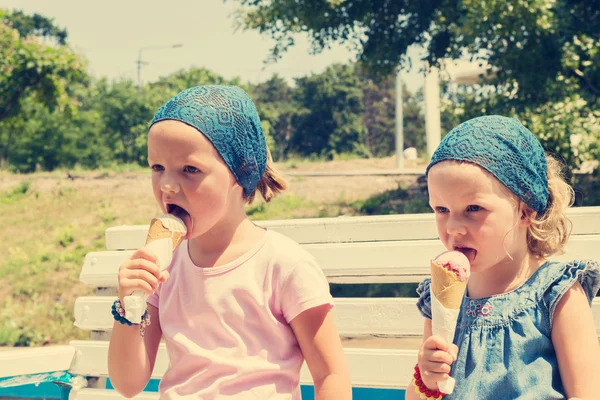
237,188
526,214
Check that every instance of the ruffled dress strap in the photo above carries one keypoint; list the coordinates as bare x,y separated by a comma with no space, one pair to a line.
424,302
586,272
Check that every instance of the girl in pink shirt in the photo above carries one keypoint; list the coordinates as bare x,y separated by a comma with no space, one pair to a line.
240,307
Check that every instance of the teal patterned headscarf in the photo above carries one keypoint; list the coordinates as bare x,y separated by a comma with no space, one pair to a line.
227,117
506,149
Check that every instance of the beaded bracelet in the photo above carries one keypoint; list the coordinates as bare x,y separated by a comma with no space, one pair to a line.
118,313
423,391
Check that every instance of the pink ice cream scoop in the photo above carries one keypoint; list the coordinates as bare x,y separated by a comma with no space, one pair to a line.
456,262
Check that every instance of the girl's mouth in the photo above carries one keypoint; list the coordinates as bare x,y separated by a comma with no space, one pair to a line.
468,252
181,213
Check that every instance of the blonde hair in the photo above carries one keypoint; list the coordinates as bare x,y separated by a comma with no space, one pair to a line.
549,232
271,184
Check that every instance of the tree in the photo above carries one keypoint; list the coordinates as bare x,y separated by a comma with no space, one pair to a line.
174,83
380,115
126,112
37,25
331,122
544,54
568,127
278,109
46,139
530,43
31,68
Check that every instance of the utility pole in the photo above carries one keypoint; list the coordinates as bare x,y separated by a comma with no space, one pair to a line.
140,62
399,123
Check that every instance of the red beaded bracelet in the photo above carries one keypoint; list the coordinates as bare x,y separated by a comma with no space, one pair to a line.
423,391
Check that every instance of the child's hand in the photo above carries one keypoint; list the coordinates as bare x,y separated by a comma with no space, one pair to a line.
140,273
435,357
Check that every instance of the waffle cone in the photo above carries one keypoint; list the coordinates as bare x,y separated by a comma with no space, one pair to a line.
158,231
446,286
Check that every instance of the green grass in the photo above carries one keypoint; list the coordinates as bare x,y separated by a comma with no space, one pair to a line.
15,194
397,201
50,229
284,206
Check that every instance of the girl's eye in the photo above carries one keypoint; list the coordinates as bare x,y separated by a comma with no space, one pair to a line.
473,208
441,210
157,167
190,169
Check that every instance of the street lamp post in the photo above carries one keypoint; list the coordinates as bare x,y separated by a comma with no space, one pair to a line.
457,71
140,61
399,122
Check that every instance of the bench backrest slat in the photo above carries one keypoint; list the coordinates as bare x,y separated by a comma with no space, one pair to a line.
586,220
365,262
354,317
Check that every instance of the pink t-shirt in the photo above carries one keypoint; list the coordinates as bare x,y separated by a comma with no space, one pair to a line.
227,328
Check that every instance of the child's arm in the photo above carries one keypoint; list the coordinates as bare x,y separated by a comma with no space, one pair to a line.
320,343
410,389
130,357
434,362
576,344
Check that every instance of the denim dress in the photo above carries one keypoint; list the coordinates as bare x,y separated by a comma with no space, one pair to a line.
504,341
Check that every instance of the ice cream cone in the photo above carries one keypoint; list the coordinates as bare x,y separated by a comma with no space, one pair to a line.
164,235
447,287
164,227
447,292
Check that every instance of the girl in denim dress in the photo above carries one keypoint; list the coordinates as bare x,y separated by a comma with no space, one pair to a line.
525,330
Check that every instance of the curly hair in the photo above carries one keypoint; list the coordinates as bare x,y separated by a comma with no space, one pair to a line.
549,232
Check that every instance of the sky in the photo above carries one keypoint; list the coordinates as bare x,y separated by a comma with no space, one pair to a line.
111,33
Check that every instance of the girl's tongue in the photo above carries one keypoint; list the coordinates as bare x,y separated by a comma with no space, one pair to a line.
468,252
189,224
184,216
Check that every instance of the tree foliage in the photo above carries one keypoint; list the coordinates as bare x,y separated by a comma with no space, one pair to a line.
53,115
530,43
28,66
36,25
278,111
332,122
543,56
380,116
32,70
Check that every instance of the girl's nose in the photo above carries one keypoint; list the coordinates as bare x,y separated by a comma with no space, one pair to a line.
169,185
455,226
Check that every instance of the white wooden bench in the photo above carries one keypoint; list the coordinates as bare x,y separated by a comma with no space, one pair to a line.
377,249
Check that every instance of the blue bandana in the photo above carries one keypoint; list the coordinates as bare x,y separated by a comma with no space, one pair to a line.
228,118
506,149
